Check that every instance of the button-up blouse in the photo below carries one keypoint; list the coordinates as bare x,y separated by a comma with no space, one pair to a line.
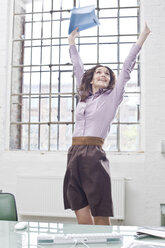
94,116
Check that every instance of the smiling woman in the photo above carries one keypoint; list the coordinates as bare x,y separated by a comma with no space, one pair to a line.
92,78
87,182
101,79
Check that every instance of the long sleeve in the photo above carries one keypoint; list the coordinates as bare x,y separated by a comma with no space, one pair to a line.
78,66
124,75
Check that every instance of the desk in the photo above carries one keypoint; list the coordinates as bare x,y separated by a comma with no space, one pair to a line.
10,238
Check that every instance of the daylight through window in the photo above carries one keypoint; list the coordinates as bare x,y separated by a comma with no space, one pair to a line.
43,97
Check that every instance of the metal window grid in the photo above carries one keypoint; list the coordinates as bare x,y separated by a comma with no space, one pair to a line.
17,122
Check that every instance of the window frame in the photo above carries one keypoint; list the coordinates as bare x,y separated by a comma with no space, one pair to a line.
58,68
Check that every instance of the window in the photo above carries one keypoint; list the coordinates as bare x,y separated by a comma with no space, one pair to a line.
43,97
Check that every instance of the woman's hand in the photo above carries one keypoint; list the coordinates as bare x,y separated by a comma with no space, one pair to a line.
72,36
147,29
143,36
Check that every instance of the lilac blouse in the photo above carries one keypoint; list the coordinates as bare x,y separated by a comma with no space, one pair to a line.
94,116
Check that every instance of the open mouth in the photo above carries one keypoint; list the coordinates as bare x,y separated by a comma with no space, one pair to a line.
103,81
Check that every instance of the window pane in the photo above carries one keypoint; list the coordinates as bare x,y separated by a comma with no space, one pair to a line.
45,43
67,4
84,3
25,109
132,84
65,109
55,81
34,109
64,27
47,5
36,30
124,51
65,138
63,42
64,55
37,18
28,18
45,82
26,82
44,135
37,6
24,137
54,109
46,16
128,12
47,29
129,108
36,52
34,137
27,34
105,3
126,38
53,137
129,137
35,82
56,29
108,27
56,4
130,23
108,53
126,3
87,40
55,55
89,32
86,50
111,140
66,15
44,109
46,55
36,43
66,82
108,13
27,55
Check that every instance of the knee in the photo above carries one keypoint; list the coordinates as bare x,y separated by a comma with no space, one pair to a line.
84,216
100,220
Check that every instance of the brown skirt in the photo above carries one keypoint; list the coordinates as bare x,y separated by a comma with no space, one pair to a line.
87,179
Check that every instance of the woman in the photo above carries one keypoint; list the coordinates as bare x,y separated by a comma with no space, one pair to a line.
87,183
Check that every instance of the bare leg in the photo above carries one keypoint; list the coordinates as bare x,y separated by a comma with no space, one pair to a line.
100,220
84,216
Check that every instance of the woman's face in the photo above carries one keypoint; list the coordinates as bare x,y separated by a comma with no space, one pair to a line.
101,79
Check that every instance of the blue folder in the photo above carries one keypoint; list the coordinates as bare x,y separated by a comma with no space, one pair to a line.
83,18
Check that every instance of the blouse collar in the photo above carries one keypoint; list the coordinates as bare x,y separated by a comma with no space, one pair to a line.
98,93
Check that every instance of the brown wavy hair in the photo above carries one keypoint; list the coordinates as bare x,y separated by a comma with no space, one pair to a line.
86,86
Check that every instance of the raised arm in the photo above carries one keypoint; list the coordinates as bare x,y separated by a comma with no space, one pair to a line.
129,64
143,36
78,66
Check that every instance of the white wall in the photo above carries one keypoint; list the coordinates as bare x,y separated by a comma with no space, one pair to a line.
146,170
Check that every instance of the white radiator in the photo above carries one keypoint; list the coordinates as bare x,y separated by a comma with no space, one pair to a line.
43,196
